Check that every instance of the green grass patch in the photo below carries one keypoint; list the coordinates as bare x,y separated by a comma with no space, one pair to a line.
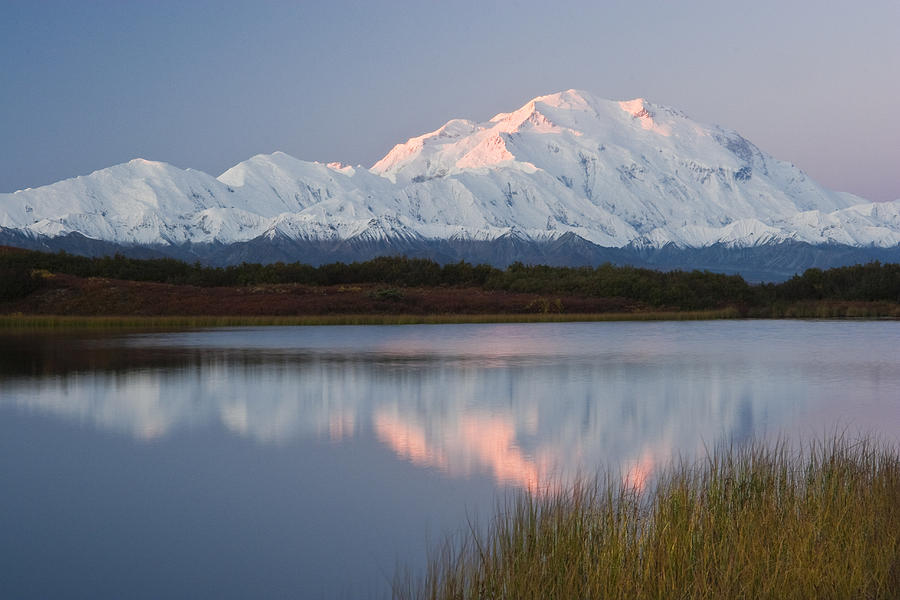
756,522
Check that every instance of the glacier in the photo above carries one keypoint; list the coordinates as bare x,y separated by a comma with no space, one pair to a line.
566,166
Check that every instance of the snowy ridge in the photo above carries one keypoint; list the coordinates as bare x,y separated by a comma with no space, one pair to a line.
614,173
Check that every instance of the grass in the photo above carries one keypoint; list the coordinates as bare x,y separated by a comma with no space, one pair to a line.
22,322
832,309
756,522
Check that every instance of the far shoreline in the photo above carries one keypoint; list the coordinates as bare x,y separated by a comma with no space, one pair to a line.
33,322
41,290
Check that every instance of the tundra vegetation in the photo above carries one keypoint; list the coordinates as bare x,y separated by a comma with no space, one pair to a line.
761,521
420,289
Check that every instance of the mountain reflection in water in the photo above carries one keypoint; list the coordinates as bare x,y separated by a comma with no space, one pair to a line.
524,404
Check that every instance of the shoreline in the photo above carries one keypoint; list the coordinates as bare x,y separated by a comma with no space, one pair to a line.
12,322
30,322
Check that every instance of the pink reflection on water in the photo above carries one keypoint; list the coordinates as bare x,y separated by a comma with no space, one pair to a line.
472,444
489,443
492,441
495,345
637,473
408,441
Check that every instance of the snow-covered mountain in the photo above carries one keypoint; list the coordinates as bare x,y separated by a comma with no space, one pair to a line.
614,174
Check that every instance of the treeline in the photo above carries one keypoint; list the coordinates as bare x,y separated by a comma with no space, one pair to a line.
20,274
870,282
400,271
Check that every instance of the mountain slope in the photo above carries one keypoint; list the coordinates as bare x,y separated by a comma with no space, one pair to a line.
614,174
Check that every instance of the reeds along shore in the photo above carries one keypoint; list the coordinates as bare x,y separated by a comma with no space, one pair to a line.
756,522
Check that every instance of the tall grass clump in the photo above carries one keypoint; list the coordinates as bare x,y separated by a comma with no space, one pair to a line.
752,522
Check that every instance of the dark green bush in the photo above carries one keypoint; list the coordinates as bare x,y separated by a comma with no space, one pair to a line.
17,282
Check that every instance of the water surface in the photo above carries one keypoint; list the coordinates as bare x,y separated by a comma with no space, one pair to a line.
307,461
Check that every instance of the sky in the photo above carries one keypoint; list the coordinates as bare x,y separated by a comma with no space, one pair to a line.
85,85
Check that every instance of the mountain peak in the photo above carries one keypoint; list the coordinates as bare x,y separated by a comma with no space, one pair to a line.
613,173
570,99
143,162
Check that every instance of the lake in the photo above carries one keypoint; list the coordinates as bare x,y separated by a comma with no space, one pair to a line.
307,462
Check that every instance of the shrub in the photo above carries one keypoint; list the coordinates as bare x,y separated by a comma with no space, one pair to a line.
18,282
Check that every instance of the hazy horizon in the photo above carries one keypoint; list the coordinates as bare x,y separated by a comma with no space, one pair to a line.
208,85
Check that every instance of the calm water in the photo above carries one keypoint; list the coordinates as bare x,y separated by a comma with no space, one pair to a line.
307,462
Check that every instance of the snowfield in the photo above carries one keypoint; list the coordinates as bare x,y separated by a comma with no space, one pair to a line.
614,173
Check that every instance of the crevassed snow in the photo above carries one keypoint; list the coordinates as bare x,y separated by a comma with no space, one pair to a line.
614,173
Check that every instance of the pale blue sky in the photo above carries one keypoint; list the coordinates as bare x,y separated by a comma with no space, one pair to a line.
84,85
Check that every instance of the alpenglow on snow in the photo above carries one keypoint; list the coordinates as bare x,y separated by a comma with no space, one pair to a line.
614,174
